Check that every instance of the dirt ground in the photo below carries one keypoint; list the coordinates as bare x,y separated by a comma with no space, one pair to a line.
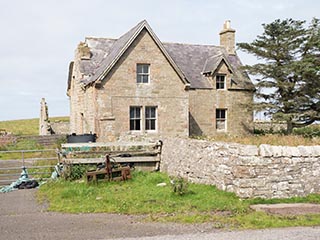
22,218
287,209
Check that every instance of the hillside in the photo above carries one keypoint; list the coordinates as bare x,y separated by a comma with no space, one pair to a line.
26,126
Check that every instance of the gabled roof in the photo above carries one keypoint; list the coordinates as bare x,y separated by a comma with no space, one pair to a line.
213,62
190,61
194,60
120,46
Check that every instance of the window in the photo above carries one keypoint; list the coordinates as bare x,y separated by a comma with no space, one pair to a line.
221,119
135,118
220,81
143,72
151,118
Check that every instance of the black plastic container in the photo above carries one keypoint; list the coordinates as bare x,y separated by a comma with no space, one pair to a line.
83,138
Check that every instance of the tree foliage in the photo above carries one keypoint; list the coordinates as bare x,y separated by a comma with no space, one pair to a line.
288,73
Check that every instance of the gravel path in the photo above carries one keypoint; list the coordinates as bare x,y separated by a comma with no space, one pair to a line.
22,218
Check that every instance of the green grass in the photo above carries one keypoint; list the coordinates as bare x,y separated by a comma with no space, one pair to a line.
26,126
201,203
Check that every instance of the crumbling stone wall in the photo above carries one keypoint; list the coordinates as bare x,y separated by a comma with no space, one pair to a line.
249,171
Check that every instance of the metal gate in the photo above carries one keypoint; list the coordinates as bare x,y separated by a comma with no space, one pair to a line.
39,164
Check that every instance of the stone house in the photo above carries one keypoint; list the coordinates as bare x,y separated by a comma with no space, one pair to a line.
137,86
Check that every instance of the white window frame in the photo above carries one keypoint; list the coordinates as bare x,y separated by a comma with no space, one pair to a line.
151,118
142,72
221,79
220,119
135,118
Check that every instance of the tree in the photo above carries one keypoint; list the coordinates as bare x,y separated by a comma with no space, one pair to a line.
288,76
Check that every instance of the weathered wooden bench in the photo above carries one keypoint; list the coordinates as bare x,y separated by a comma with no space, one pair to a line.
117,174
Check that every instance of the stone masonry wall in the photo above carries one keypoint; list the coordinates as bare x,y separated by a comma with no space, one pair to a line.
249,171
119,90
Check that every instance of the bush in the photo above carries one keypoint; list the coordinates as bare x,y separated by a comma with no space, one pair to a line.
308,132
74,172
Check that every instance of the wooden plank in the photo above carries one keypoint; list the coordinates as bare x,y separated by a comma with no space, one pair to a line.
117,160
109,144
115,153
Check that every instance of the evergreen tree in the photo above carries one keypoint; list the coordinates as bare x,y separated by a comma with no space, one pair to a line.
287,79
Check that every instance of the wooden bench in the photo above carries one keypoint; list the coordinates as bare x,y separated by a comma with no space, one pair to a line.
117,174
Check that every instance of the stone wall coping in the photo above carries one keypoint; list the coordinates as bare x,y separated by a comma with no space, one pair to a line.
266,150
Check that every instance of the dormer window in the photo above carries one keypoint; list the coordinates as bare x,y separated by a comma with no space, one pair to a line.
143,73
220,82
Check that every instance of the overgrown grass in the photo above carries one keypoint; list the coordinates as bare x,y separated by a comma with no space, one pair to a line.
141,195
272,139
26,126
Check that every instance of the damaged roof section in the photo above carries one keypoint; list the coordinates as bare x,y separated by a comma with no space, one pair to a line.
190,61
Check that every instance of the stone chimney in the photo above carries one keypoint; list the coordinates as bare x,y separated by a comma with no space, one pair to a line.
84,51
227,38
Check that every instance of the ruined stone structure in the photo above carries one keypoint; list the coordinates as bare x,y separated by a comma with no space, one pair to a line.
138,86
44,124
247,170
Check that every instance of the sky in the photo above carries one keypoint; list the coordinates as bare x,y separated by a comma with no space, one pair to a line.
38,37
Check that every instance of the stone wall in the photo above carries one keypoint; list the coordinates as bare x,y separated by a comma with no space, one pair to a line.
269,126
104,108
60,127
203,105
249,171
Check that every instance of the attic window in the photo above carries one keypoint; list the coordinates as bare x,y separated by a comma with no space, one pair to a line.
143,73
220,81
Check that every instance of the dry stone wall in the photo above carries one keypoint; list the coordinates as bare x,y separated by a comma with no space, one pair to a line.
249,171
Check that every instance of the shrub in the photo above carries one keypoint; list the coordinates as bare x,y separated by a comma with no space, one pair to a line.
74,172
308,132
179,185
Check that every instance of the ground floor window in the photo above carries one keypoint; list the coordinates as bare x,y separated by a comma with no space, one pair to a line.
135,118
221,119
151,118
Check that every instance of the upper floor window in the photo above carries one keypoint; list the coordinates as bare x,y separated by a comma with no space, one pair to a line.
143,73
151,118
220,82
221,119
135,118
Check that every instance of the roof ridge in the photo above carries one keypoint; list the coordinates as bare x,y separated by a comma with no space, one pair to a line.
193,44
106,38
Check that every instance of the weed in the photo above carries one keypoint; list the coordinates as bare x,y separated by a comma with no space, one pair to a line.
179,185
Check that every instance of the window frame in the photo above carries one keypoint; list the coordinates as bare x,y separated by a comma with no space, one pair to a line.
135,119
150,119
221,81
220,119
141,74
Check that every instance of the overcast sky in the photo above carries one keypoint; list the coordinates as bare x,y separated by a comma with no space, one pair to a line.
38,37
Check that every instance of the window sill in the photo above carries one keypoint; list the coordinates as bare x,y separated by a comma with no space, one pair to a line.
108,118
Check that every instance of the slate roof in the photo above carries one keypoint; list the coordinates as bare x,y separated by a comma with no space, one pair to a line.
189,60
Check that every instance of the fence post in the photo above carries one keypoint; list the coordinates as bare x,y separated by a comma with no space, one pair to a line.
22,153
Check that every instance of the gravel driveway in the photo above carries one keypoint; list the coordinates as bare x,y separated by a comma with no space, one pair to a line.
22,218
